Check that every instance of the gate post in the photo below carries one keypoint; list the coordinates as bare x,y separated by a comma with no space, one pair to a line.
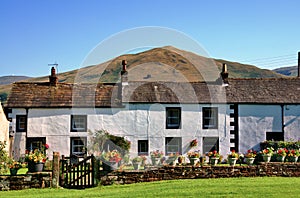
55,170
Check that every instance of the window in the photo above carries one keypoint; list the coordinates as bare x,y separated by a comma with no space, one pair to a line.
210,144
274,136
78,146
78,123
173,117
21,122
210,117
142,147
173,145
35,143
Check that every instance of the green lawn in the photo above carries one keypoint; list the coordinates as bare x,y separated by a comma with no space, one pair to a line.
225,187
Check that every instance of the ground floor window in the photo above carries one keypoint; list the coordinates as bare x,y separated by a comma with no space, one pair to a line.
210,144
35,143
275,136
173,145
78,146
143,147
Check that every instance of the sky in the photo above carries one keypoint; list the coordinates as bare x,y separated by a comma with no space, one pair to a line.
35,33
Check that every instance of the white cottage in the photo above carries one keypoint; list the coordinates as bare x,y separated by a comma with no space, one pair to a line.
223,115
4,126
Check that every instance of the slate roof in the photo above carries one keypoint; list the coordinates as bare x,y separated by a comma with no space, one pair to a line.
35,95
256,91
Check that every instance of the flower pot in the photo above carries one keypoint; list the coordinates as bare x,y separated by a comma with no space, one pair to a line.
155,161
193,161
214,161
171,161
280,158
109,166
267,158
13,171
232,161
250,160
180,160
136,165
35,167
38,167
293,159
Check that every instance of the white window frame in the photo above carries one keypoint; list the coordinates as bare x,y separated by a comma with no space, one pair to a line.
146,146
21,120
212,117
78,123
73,145
173,145
170,124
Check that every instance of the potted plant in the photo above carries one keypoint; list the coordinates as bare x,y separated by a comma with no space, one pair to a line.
213,157
156,156
293,155
193,157
267,154
172,157
250,157
110,160
280,154
136,162
36,159
232,157
14,166
194,143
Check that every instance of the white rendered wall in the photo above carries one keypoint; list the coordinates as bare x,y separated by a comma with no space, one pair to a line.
255,121
292,122
134,122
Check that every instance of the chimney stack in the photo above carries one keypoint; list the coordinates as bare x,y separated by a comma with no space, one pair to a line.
298,64
224,74
53,78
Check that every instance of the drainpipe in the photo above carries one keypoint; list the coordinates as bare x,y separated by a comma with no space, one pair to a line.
26,135
298,64
282,119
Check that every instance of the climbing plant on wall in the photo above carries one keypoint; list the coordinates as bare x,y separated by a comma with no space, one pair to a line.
102,140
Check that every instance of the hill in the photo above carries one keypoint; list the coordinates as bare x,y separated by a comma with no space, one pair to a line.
287,71
5,80
158,64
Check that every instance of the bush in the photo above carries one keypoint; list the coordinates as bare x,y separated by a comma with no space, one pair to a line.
280,144
4,158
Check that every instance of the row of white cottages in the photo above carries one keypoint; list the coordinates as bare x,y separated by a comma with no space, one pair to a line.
165,116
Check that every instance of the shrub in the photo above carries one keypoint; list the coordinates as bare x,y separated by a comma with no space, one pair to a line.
4,158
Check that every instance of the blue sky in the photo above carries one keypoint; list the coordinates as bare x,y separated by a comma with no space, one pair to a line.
35,33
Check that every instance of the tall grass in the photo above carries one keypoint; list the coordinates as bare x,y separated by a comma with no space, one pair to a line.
224,187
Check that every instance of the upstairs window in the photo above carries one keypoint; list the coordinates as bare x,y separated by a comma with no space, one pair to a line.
210,117
21,123
173,117
78,123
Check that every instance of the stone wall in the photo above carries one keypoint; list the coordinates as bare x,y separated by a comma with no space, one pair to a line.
190,172
30,180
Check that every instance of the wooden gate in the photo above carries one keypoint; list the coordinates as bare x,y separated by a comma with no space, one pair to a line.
77,172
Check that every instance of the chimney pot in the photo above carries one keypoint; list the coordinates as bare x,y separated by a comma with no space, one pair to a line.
224,74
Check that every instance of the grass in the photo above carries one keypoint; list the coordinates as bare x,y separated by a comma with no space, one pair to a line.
223,187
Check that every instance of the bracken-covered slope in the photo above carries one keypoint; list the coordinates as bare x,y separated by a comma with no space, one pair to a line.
158,64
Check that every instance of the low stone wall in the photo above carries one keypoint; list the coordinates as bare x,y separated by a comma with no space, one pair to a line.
191,172
30,180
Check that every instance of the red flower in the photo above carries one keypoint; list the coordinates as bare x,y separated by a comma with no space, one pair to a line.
46,146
